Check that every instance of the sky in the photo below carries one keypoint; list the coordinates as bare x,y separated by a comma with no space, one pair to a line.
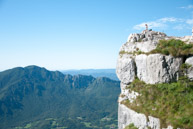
82,34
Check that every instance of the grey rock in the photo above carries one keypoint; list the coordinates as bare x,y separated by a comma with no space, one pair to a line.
125,68
190,70
123,86
157,68
142,36
144,42
150,35
127,116
154,123
133,38
153,68
128,94
145,46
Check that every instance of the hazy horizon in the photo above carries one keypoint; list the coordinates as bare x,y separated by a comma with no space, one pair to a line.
62,69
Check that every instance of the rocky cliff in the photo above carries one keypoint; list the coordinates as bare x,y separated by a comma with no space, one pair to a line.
140,59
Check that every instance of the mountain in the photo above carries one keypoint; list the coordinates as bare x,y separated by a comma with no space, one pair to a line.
156,73
33,97
109,73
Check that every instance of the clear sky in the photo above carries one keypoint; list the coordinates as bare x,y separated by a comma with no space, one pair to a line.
82,34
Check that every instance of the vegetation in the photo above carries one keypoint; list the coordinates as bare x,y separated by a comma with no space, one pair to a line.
34,97
140,40
124,52
67,123
172,103
184,69
122,95
176,48
131,126
138,52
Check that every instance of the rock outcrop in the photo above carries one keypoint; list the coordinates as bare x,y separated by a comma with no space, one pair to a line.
150,68
157,68
143,42
127,116
126,68
190,70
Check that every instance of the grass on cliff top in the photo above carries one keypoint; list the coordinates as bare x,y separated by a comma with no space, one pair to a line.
172,103
176,48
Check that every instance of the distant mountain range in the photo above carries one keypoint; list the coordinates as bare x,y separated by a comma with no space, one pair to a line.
33,97
110,73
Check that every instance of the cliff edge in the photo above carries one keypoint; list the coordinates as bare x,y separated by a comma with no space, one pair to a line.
152,68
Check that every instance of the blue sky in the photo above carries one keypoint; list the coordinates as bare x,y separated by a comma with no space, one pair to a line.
82,34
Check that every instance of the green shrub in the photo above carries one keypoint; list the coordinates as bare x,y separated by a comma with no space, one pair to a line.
172,103
176,48
139,52
140,40
131,126
124,52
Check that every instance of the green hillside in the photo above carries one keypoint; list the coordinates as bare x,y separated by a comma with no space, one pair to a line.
33,97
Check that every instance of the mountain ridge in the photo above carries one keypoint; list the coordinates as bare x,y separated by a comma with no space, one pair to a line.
36,93
110,73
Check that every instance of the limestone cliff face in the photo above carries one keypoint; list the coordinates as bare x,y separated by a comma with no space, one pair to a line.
150,68
190,70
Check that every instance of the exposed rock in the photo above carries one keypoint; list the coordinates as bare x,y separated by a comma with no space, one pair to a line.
144,42
146,46
152,68
154,123
190,70
126,93
133,38
126,68
157,68
145,36
127,116
123,86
